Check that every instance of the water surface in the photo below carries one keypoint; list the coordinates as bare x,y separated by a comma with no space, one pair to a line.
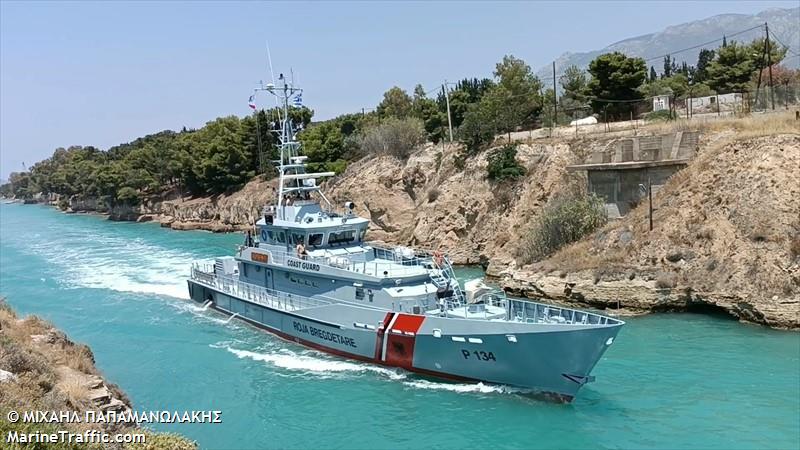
669,381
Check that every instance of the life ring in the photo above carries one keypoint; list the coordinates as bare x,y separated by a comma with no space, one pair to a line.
263,235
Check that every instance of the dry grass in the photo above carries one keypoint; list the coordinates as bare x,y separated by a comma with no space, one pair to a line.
53,374
73,386
754,125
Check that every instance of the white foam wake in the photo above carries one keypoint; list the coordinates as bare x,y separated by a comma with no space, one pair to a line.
464,387
122,266
311,363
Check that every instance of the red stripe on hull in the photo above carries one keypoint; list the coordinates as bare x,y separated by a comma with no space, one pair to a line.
551,396
408,323
333,351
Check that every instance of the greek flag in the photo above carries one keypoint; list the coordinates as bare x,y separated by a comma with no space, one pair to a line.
298,100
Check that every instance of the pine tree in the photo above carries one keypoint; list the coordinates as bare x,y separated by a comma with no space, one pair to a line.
667,67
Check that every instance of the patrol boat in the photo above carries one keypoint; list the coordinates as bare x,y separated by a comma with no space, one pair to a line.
310,277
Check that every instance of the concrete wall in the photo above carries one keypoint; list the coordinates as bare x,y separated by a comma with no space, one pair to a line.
680,145
621,190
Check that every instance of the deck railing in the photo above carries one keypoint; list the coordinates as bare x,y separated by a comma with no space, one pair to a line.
391,265
253,293
525,311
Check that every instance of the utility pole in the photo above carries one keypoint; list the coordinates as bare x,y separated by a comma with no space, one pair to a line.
650,195
449,118
555,98
769,64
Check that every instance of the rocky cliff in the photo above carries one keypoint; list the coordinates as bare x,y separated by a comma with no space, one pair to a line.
726,237
42,370
438,199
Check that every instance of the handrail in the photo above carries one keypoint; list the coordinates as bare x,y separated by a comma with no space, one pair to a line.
516,310
254,293
393,266
526,311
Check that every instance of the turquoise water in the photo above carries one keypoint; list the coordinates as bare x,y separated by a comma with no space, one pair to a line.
669,381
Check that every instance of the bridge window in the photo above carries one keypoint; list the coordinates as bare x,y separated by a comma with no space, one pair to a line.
315,239
280,237
361,234
342,237
298,238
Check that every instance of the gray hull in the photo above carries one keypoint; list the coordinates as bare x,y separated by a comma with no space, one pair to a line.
551,359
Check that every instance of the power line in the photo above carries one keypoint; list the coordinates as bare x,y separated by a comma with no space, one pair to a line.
703,44
788,49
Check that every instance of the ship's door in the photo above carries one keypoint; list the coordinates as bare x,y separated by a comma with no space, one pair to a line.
269,283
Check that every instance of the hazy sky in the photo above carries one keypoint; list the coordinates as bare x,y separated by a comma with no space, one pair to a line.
102,73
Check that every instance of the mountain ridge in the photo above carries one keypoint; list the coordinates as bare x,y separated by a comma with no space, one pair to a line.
782,23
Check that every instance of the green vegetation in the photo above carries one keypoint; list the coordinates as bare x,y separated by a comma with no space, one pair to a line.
565,220
514,102
393,136
503,164
224,154
618,77
662,115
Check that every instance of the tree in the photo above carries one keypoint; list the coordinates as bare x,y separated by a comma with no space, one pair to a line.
395,103
782,77
575,87
323,143
732,68
475,88
653,75
479,127
616,77
574,84
519,89
757,51
703,60
667,67
220,161
466,92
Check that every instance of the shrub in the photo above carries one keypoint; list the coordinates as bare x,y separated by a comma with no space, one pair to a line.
565,220
396,137
662,115
503,164
433,194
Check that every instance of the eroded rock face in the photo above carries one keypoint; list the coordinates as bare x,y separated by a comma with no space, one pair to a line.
223,213
642,295
727,234
427,202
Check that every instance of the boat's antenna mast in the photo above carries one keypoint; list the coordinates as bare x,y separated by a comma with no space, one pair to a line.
271,73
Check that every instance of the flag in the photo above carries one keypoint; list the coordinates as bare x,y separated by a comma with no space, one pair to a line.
298,100
252,101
